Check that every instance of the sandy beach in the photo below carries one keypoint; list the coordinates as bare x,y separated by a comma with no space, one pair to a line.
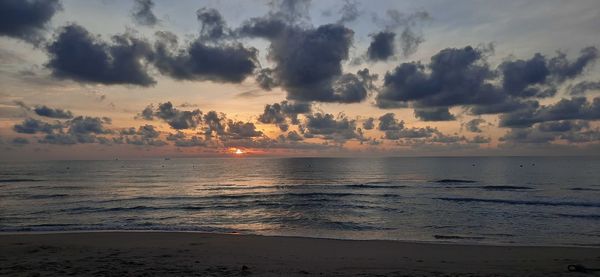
201,254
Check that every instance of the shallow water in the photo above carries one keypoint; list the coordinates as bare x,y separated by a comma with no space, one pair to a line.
500,200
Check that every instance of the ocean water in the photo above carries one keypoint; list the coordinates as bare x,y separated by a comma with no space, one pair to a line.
495,200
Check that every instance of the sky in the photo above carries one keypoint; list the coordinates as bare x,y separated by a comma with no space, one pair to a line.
112,79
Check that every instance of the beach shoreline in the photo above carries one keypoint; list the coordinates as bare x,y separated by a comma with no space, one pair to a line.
143,253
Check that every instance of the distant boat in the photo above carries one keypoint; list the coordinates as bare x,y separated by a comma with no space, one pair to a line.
166,159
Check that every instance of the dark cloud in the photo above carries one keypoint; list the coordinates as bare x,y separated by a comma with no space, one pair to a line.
456,77
265,79
78,55
27,19
480,139
142,13
383,43
382,46
139,141
434,114
349,12
563,126
128,131
52,113
388,122
60,139
241,130
584,86
539,76
520,74
294,136
411,133
213,24
148,132
369,124
462,77
283,113
565,109
563,69
308,60
214,123
291,11
20,141
177,136
194,141
573,131
328,126
199,61
32,126
176,118
87,125
474,125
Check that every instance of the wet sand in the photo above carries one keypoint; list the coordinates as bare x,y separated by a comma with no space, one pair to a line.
200,254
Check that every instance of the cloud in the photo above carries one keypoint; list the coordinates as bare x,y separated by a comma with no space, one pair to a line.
176,118
202,62
142,13
455,78
32,126
411,133
308,61
87,125
383,43
241,130
292,11
563,69
327,126
80,56
382,46
369,124
213,24
52,113
539,76
194,141
573,131
27,20
279,113
265,79
462,77
565,109
480,140
563,126
474,125
177,136
294,136
584,86
20,141
214,123
434,114
388,122
148,132
349,12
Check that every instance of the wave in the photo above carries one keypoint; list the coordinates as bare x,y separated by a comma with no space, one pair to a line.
374,186
456,237
521,202
505,187
454,181
584,189
581,216
305,195
46,196
18,180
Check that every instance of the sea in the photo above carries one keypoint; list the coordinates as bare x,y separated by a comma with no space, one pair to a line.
466,200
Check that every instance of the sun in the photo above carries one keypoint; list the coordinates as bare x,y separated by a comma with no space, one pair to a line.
239,151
